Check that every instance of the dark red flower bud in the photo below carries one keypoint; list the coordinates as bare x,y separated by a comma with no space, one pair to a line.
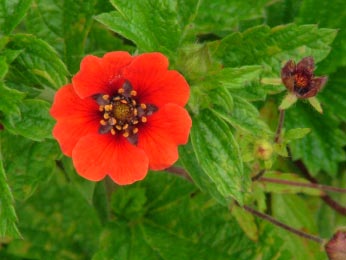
300,79
336,246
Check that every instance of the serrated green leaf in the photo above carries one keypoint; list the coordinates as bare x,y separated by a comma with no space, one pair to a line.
273,46
281,188
332,96
37,65
225,15
324,15
11,13
9,100
245,117
322,148
64,25
138,20
218,154
56,223
200,178
32,168
8,217
33,122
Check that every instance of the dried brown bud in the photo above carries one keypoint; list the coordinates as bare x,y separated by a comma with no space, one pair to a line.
336,246
300,79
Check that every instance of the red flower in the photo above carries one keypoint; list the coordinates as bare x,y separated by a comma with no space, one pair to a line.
300,80
121,116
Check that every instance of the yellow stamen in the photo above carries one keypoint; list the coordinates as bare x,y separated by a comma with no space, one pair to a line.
101,108
118,127
126,134
123,101
116,98
108,107
133,93
112,131
103,122
105,97
135,112
125,126
143,106
144,119
106,116
112,121
121,90
135,130
135,122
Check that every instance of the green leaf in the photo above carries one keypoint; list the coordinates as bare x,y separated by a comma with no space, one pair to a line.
294,211
332,96
37,65
225,15
246,222
3,67
11,13
199,176
245,117
273,46
9,100
56,223
322,149
33,122
324,15
138,20
32,168
218,154
297,133
64,25
8,217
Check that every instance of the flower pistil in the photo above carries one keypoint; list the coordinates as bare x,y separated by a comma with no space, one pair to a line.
122,113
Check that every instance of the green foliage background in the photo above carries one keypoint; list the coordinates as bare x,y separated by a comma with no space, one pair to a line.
231,53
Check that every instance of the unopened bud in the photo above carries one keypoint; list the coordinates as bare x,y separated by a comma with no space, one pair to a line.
263,150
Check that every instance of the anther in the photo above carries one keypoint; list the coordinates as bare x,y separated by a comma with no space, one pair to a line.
123,101
108,107
133,93
106,116
112,121
101,108
144,119
112,131
126,134
103,122
125,126
135,112
118,127
105,97
135,122
143,106
135,130
121,90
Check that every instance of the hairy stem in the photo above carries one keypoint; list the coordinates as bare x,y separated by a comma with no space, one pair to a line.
326,198
282,225
280,125
300,184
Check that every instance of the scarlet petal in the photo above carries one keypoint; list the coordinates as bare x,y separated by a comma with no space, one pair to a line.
100,75
154,83
287,75
159,138
76,118
96,156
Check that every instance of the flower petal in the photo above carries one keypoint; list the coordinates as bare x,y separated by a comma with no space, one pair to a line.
306,64
154,83
96,156
100,75
159,137
316,84
287,75
75,118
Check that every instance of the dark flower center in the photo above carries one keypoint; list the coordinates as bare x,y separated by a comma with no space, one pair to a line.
122,113
301,80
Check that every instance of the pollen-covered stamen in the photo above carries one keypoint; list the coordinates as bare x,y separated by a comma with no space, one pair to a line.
301,80
122,114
